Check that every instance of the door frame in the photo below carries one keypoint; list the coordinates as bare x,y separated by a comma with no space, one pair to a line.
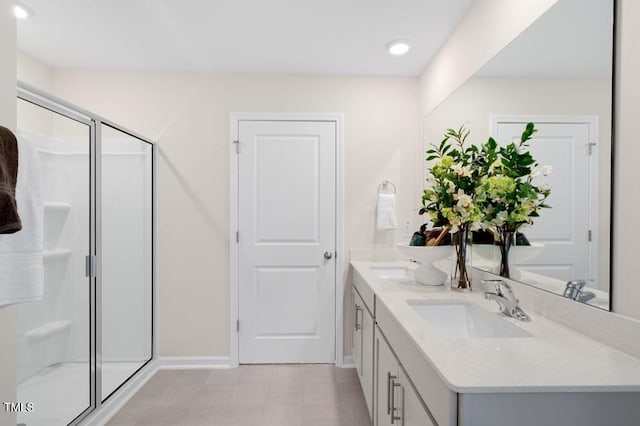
594,136
341,252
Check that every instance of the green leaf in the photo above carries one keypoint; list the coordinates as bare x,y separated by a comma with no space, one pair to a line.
528,132
491,143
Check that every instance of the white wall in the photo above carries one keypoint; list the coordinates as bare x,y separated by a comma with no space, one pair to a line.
8,341
626,233
34,72
487,27
188,113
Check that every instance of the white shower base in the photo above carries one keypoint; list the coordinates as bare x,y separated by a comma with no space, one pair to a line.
61,392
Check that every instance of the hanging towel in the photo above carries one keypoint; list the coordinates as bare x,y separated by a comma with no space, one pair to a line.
21,261
9,218
387,212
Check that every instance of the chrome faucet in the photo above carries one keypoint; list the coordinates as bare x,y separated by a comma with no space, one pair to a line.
575,290
506,300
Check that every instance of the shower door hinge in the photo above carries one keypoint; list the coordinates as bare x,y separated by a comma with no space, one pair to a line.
90,266
237,144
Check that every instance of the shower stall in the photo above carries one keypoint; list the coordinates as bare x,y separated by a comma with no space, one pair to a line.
93,329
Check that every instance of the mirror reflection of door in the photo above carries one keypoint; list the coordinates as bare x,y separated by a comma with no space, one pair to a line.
567,230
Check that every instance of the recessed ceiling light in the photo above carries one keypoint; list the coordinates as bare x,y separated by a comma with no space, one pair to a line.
398,47
21,11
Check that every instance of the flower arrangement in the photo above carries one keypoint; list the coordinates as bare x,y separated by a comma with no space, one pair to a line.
506,192
450,200
485,187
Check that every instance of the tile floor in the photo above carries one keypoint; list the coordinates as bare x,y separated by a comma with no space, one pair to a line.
261,395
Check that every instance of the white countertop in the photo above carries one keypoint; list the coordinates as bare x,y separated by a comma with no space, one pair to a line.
555,359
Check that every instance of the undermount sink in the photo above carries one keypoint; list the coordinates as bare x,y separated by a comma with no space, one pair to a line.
458,319
392,272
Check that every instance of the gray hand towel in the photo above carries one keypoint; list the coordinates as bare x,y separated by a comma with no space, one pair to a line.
9,218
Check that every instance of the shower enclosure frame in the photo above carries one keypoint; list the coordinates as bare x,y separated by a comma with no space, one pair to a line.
95,123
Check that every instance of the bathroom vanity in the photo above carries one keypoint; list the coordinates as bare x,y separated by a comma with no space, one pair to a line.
436,356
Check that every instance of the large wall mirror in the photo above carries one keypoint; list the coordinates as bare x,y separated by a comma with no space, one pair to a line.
558,75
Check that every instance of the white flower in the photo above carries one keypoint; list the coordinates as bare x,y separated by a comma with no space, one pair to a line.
534,174
486,225
546,170
495,164
475,226
464,200
451,188
501,217
461,170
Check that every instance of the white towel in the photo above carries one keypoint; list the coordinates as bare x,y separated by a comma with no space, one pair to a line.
387,212
21,262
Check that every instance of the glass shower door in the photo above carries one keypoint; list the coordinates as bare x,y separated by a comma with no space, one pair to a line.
54,332
127,253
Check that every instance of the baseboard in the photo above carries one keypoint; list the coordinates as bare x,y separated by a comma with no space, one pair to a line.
193,362
347,362
107,410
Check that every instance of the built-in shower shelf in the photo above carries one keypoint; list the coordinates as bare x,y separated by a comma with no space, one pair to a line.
48,329
48,152
56,255
57,208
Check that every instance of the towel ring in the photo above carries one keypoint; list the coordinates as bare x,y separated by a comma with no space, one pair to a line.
384,184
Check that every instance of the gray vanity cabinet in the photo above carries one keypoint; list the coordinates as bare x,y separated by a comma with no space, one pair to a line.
396,401
362,347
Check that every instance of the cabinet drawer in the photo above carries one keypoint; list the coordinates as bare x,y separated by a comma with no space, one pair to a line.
365,291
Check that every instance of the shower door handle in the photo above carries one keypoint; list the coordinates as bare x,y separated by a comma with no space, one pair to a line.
90,266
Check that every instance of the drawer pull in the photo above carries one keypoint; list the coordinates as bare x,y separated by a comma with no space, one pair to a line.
393,400
358,325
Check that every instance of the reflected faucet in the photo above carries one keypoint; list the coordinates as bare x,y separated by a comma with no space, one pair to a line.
575,290
506,300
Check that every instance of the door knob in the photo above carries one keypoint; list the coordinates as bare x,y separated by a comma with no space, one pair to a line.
328,255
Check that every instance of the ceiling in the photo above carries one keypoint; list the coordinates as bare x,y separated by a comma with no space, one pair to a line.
275,36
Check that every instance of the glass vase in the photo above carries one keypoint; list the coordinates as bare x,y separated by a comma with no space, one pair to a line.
461,274
507,240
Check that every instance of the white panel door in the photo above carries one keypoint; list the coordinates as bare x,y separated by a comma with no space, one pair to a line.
564,228
287,220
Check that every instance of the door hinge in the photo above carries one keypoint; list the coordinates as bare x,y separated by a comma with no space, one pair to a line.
237,144
589,236
238,326
90,266
237,236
